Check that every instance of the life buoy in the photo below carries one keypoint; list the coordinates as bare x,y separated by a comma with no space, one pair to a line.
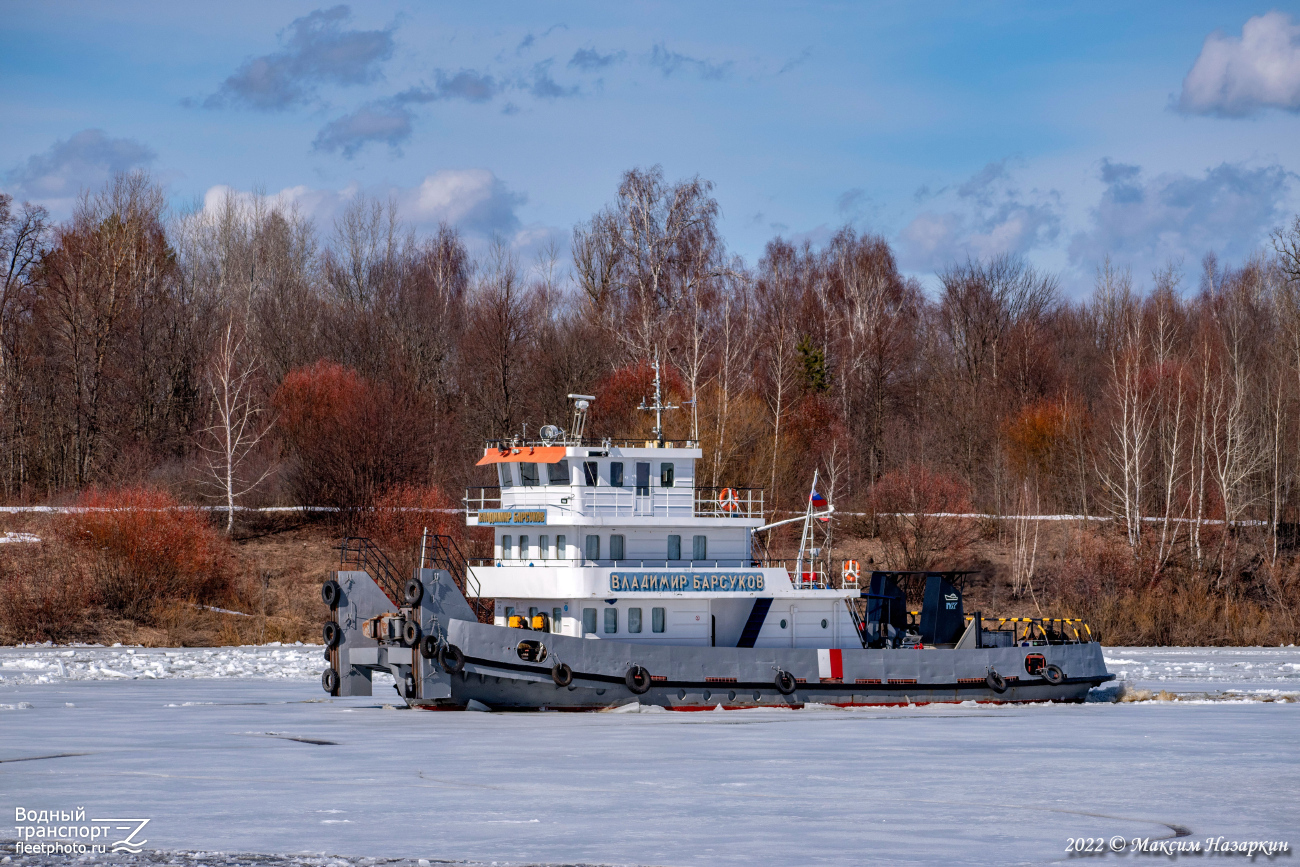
637,680
429,646
332,634
728,500
1053,675
851,572
451,659
996,682
331,593
561,674
414,591
785,682
410,633
329,680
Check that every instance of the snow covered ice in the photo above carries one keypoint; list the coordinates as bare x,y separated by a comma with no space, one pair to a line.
237,750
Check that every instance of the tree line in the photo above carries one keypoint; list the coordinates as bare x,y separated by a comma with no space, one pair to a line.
241,354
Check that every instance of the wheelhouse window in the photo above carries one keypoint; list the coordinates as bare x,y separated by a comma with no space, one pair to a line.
589,621
643,479
593,547
656,620
699,547
590,475
544,547
558,472
666,474
528,475
507,547
634,620
611,621
616,474
503,473
674,547
616,543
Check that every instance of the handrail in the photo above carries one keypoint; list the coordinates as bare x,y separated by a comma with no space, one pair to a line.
443,553
360,551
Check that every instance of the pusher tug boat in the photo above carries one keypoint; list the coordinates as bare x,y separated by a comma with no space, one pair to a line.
617,579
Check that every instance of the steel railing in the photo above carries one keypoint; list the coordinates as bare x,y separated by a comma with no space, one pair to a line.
442,552
622,502
361,552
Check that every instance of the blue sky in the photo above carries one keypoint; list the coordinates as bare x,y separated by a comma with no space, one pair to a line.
1064,132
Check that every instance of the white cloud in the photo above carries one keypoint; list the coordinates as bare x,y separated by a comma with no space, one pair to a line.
1234,77
86,160
475,201
1172,217
986,216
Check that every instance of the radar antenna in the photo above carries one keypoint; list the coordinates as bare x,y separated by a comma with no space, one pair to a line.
658,406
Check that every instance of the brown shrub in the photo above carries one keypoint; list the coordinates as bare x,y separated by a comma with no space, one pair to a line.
44,593
145,551
402,513
910,506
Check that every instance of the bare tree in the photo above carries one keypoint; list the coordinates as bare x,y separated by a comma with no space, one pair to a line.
238,424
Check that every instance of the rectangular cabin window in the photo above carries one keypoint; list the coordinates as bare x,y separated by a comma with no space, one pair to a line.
642,479
589,621
528,475
544,547
503,473
557,620
593,547
674,547
616,551
507,545
558,472
634,620
611,621
656,620
523,547
589,473
699,547
666,475
510,612
560,552
616,474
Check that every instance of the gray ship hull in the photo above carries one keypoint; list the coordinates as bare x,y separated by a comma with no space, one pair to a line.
506,668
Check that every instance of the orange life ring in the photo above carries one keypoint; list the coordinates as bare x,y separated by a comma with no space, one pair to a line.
728,500
851,571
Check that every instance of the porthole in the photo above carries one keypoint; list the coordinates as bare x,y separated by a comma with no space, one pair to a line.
681,695
758,696
783,624
707,695
823,623
731,696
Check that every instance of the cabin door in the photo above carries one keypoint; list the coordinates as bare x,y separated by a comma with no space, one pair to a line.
643,504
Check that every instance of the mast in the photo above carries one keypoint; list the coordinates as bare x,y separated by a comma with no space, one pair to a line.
658,406
806,537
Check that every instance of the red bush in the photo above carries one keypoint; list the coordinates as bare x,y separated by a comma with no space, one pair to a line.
148,550
401,515
614,412
351,438
915,511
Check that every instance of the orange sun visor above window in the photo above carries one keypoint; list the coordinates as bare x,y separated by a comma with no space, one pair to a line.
522,455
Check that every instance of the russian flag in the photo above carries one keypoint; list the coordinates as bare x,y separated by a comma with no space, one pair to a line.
817,500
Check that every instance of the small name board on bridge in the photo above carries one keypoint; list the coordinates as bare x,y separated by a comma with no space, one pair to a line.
512,516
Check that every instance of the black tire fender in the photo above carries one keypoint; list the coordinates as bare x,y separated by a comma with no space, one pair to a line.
410,633
331,593
332,633
638,680
429,646
785,683
561,674
1053,675
329,681
451,659
996,682
414,591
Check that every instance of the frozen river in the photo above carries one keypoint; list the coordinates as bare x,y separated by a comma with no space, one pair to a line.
238,751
